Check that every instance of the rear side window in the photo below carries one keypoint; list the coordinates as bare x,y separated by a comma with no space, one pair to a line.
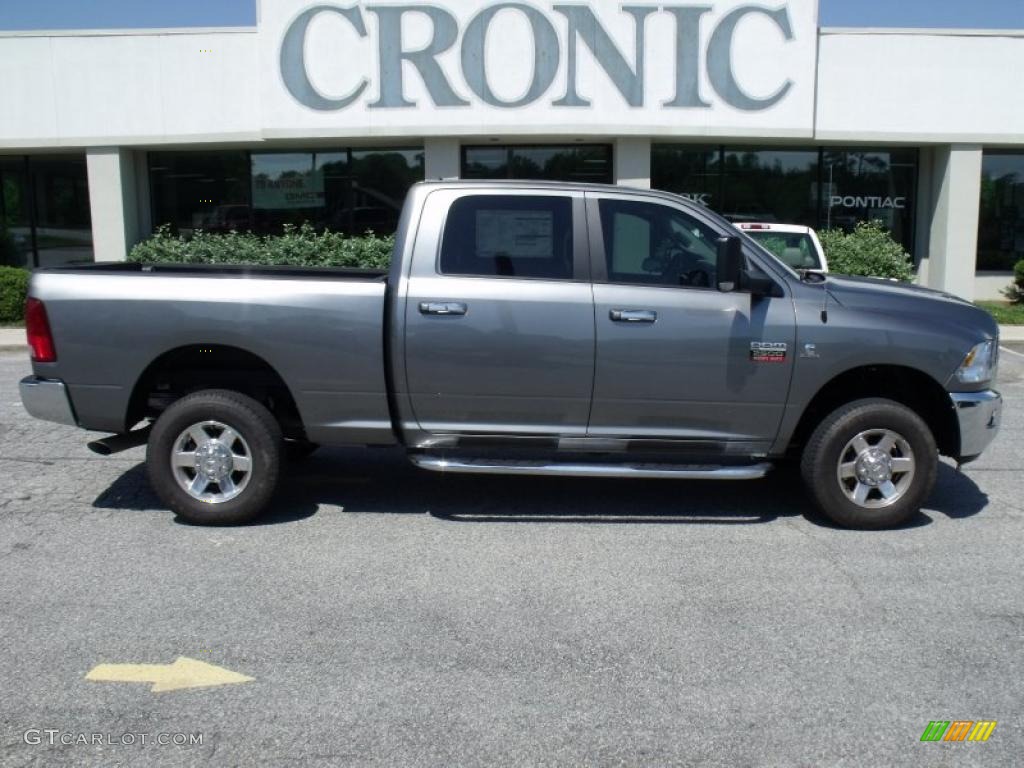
509,236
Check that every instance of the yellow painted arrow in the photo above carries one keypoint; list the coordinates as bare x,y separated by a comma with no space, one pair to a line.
183,673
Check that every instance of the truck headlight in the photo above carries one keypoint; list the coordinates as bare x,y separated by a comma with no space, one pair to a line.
980,364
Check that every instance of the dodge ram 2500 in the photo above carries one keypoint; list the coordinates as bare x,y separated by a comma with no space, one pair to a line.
523,328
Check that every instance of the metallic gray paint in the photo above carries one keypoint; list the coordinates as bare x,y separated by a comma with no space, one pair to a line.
529,357
322,336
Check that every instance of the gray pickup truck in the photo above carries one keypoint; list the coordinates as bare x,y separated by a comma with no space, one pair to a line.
529,329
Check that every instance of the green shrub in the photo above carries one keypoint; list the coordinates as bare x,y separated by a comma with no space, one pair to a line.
1015,292
298,247
13,289
868,251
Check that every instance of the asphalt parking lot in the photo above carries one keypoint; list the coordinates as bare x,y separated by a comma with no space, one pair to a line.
392,617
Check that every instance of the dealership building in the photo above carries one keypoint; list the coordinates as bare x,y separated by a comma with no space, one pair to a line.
326,113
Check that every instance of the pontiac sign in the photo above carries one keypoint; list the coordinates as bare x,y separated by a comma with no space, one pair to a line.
637,64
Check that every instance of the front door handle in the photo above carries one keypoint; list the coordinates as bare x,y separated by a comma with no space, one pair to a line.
633,315
442,308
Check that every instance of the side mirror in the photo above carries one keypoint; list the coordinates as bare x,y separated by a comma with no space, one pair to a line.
729,264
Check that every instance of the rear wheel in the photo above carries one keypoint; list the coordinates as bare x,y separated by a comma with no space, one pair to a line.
870,464
214,457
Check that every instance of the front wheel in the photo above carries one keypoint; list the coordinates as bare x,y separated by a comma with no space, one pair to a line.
870,464
214,457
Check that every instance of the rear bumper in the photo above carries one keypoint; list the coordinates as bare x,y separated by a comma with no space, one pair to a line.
47,399
978,414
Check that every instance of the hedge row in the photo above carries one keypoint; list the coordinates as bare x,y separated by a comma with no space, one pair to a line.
13,288
298,247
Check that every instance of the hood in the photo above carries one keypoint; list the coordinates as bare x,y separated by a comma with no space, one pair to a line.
890,297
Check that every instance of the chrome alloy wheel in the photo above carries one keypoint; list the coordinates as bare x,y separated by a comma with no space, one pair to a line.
211,462
876,468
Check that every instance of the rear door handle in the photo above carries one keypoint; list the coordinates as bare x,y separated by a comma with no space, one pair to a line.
633,315
442,308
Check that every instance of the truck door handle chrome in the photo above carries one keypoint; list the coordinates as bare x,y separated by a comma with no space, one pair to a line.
633,315
442,308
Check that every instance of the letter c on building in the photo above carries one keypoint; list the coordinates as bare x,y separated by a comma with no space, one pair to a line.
293,59
720,71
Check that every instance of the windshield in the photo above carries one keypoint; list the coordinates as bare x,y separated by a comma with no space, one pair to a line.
794,249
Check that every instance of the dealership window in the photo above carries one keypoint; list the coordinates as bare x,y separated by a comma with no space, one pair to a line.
44,211
821,188
1001,217
346,190
200,190
691,171
590,163
770,185
870,185
521,236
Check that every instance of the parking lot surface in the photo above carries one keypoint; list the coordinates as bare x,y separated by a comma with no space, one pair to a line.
392,617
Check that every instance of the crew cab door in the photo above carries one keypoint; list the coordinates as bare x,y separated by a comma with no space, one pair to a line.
499,316
674,355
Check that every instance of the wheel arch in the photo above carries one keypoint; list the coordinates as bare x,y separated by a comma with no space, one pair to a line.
189,368
908,386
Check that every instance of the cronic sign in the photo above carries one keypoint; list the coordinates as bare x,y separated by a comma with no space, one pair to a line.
450,55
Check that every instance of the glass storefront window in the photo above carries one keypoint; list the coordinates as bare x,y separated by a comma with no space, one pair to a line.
297,187
870,185
60,187
44,211
590,163
200,190
340,189
379,181
1001,218
820,188
691,171
770,185
15,222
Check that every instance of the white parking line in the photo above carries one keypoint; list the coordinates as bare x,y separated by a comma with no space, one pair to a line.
1004,349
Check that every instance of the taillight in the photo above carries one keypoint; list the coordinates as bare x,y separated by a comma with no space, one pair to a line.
37,327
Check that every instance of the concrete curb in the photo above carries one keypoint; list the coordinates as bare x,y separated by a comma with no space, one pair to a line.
12,339
1011,332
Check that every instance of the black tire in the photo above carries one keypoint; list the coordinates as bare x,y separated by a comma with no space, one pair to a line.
297,450
253,423
829,444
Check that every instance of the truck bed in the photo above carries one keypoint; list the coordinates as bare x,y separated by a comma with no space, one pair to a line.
320,329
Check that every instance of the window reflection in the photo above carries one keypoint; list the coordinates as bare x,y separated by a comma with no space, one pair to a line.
587,163
343,190
821,188
771,185
44,211
1001,219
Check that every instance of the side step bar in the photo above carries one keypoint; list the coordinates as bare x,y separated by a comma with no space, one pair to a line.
647,471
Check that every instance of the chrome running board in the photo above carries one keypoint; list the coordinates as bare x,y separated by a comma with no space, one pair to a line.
646,471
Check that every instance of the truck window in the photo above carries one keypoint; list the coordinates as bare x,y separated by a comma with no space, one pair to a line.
653,244
522,236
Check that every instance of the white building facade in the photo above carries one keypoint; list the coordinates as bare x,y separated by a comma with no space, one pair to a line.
325,113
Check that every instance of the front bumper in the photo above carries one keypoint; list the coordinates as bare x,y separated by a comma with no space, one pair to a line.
978,414
47,399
